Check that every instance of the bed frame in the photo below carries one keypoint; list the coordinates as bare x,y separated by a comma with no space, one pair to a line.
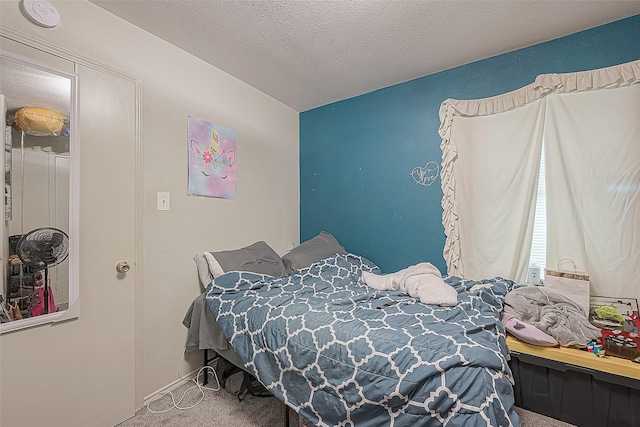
207,359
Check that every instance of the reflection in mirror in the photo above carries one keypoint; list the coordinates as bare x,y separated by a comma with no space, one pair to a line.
37,112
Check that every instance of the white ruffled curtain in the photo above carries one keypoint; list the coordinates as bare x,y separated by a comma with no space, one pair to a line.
593,196
489,199
589,122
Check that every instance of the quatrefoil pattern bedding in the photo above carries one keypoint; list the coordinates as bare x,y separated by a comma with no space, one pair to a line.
344,354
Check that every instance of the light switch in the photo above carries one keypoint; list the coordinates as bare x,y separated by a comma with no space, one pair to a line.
163,201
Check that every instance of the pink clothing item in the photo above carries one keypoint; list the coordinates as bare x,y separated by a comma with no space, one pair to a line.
39,309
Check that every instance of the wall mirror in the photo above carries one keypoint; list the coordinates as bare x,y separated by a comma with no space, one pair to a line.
39,232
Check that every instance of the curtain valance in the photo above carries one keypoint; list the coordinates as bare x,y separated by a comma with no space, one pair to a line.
603,78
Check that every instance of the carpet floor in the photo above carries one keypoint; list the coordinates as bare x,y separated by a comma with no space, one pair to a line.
222,409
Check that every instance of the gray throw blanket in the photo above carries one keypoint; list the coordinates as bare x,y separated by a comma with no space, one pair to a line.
552,313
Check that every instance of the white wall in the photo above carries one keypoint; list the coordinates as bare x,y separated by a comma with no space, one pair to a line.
175,85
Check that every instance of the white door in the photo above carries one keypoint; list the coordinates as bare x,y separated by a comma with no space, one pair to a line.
82,372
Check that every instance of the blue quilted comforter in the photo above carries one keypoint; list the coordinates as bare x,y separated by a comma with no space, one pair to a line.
344,354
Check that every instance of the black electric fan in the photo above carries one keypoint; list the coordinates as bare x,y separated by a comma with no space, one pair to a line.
42,249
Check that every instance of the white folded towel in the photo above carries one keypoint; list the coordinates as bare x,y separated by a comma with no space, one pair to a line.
422,281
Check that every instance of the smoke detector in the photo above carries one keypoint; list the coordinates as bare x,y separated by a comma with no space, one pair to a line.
40,12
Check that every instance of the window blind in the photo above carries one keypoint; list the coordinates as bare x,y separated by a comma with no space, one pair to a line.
538,256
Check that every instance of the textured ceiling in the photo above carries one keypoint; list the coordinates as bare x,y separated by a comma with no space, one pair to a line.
310,53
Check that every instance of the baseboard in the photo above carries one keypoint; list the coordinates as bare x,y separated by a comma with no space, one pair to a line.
171,386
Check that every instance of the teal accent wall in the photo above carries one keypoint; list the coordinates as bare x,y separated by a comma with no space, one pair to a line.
356,155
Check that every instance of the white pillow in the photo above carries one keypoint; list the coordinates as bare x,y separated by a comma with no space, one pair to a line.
214,265
204,274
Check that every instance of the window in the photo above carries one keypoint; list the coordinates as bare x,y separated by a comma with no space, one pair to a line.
539,240
587,204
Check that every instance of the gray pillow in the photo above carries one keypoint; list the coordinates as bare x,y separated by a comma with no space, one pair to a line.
311,251
256,258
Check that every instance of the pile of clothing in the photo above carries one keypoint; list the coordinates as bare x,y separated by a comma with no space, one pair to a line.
541,316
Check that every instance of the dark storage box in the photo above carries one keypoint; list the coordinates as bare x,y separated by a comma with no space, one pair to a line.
576,395
620,343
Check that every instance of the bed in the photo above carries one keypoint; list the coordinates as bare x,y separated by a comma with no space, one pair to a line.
343,353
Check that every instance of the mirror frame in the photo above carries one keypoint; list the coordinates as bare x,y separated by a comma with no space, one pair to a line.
73,310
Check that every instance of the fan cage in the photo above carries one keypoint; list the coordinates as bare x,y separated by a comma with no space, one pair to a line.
43,247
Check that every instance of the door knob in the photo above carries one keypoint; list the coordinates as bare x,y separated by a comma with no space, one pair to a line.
123,267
